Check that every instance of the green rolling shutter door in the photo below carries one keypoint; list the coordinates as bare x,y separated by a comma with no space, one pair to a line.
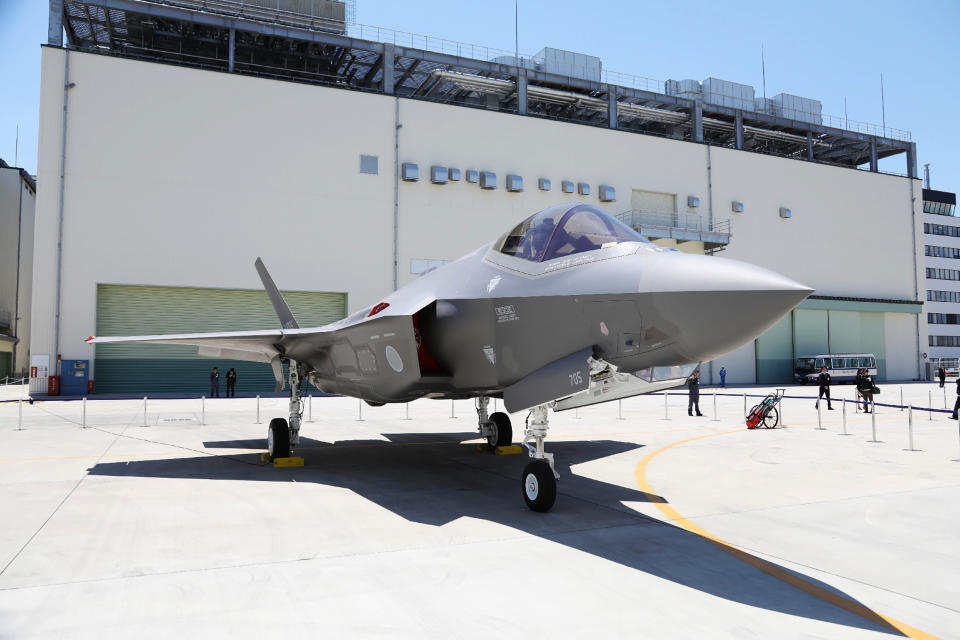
124,310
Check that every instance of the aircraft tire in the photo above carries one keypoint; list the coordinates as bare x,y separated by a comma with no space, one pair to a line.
504,435
278,439
539,486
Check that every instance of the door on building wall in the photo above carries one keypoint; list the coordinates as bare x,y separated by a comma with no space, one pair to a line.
654,203
174,369
6,360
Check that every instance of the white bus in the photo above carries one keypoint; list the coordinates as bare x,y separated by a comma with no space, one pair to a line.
842,367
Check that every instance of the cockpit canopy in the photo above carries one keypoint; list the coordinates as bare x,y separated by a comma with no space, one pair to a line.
565,230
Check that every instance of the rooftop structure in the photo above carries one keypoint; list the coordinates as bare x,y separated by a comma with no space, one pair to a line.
316,42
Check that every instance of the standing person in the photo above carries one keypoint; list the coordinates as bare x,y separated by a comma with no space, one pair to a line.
856,385
956,405
231,383
723,377
865,387
942,374
693,383
215,383
823,381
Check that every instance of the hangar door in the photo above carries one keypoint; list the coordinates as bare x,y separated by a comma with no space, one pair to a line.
177,370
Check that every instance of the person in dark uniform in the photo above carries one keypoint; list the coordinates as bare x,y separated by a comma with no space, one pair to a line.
823,380
693,384
942,374
956,405
215,383
231,383
865,387
723,377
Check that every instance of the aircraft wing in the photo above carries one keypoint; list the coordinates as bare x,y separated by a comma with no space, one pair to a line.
253,346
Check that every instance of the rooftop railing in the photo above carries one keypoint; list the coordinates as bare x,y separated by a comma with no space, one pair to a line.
259,11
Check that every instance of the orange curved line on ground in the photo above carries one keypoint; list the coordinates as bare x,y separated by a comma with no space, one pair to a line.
640,474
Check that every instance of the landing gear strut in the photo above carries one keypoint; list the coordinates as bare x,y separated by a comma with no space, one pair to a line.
495,428
539,477
283,436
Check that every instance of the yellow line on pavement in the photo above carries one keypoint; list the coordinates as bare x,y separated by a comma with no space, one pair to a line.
769,568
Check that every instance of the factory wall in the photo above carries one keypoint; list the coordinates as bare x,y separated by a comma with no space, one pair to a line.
169,191
17,207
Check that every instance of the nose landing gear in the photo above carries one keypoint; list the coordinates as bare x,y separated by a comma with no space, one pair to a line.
283,435
539,481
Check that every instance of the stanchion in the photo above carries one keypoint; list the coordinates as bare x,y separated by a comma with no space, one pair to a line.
310,408
958,438
901,398
19,415
203,410
576,413
744,405
666,408
910,427
406,410
873,421
716,418
451,409
360,411
83,422
819,417
144,411
844,412
619,409
258,409
944,397
783,421
930,402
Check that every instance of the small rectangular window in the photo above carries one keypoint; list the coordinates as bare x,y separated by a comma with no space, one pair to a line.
369,164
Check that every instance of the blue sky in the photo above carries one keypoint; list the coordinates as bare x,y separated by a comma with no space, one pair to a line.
823,50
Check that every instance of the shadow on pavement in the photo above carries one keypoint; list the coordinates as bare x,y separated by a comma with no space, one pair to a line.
435,479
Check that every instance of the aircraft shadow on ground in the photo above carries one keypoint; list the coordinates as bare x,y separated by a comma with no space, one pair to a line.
434,479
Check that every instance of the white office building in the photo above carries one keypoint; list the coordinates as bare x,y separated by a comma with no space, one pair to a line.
941,237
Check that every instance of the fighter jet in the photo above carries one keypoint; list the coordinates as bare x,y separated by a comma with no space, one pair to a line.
571,307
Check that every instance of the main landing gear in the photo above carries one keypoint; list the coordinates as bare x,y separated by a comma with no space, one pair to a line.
539,477
495,428
283,436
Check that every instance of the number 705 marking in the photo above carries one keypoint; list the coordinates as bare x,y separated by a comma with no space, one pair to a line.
576,378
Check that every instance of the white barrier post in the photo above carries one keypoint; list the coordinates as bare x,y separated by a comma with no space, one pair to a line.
744,405
360,410
910,426
576,413
783,422
944,397
666,408
819,417
619,409
406,410
310,408
19,415
873,422
901,398
203,410
930,402
144,411
844,412
83,423
716,418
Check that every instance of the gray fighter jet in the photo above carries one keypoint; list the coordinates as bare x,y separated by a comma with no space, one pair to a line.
569,308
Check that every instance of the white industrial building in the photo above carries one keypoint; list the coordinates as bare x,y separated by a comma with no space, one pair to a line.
17,200
190,142
941,236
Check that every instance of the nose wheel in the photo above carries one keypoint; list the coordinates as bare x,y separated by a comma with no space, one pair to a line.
539,486
278,439
496,427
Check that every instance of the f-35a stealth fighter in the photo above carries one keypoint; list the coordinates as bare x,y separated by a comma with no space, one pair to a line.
569,308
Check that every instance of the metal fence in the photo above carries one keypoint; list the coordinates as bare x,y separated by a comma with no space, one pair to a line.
647,219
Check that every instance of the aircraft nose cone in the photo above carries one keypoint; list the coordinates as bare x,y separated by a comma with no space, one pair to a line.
718,304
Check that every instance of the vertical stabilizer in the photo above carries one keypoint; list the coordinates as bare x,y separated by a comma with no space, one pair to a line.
287,321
